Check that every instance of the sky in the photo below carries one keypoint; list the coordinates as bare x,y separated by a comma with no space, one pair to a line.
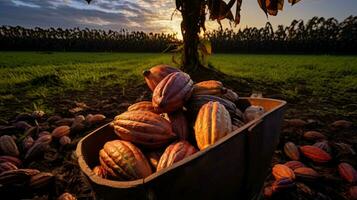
152,15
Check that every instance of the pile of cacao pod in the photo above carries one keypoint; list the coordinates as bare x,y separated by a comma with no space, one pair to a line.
28,139
316,161
181,119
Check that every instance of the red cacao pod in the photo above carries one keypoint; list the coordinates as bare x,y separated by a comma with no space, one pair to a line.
252,112
66,196
306,173
6,166
315,154
8,146
281,171
294,164
123,160
314,135
179,124
212,123
174,153
353,193
61,131
143,106
157,73
17,162
347,172
291,151
172,92
100,171
143,127
211,87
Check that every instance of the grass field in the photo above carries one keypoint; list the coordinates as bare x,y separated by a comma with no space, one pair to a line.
327,81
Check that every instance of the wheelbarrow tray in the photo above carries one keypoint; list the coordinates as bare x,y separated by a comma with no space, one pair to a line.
233,168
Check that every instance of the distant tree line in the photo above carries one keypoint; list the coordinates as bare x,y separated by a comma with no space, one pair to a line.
318,35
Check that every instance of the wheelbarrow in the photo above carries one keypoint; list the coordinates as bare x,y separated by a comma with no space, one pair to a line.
233,168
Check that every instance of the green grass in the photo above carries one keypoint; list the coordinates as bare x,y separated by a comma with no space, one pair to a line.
37,76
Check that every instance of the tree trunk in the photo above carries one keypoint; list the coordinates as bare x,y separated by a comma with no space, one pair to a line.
190,28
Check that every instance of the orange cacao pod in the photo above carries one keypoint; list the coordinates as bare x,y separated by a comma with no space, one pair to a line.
347,172
41,180
123,160
353,192
143,127
314,135
212,123
315,154
100,171
157,73
291,151
211,87
17,176
143,106
17,162
94,119
306,173
252,112
197,101
6,166
66,196
282,183
294,164
179,124
174,153
8,146
231,96
61,131
172,92
281,171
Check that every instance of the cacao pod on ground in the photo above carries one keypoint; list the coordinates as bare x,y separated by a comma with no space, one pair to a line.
61,131
8,146
315,154
291,151
314,135
294,164
41,180
347,172
14,160
281,171
17,176
306,173
6,166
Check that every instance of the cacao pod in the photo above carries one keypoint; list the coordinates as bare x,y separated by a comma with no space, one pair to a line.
237,123
281,171
31,131
153,158
347,172
78,123
314,135
252,112
6,166
172,92
8,146
100,171
27,143
61,131
315,154
179,124
39,147
66,196
212,123
143,106
41,180
282,183
174,153
353,193
231,96
143,127
197,101
22,125
46,138
294,164
306,173
65,122
211,87
53,119
268,192
95,119
123,160
17,162
156,74
44,133
291,151
17,176
341,124
323,145
65,140
304,188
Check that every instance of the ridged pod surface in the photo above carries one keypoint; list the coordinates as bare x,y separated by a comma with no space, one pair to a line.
306,173
174,153
8,146
143,106
347,172
281,171
143,127
17,176
157,73
314,135
294,164
41,180
61,131
179,124
231,96
100,171
211,87
14,160
172,92
212,123
291,151
123,160
315,154
197,101
7,166
324,145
